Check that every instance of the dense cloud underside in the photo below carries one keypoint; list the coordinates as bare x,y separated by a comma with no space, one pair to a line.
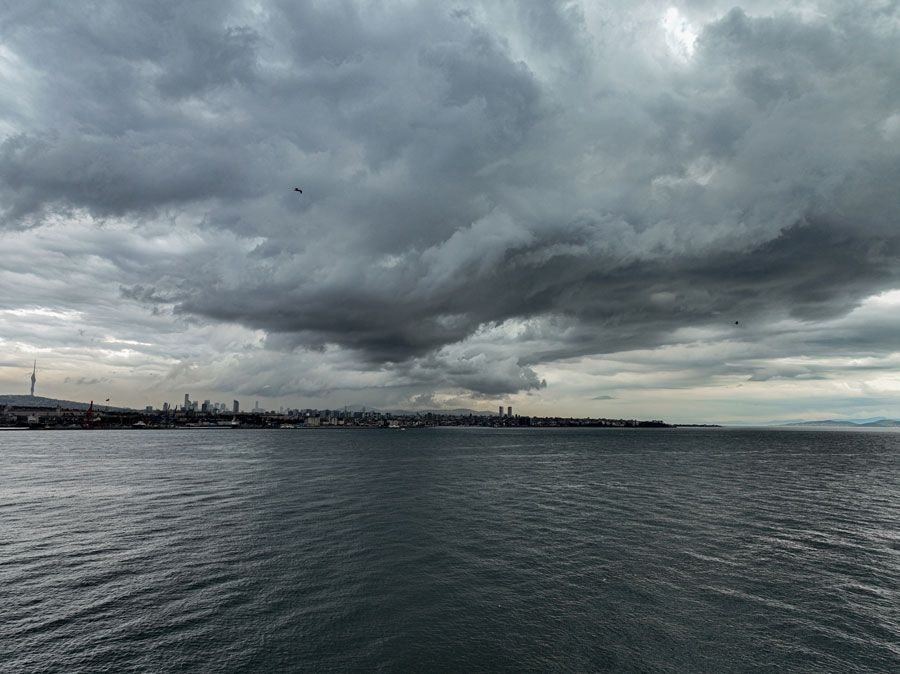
488,188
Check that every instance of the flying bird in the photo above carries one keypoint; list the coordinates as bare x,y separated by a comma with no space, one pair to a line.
737,322
297,189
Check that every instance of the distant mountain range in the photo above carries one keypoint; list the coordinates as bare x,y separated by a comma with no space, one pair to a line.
872,422
40,401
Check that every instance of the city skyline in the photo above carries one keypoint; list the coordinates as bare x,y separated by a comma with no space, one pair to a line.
195,404
679,210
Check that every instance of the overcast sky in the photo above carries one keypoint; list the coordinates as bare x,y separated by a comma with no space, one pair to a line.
671,210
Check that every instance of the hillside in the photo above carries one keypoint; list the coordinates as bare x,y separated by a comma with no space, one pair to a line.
40,401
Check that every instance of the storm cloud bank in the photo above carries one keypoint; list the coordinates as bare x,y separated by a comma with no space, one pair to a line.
488,188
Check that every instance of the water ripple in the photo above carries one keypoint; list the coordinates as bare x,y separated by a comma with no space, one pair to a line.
450,549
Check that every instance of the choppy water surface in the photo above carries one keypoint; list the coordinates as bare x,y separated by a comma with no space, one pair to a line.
450,549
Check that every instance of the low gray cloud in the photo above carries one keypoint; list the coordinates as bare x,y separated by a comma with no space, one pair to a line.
85,381
488,188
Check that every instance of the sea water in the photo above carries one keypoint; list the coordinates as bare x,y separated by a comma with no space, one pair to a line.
664,550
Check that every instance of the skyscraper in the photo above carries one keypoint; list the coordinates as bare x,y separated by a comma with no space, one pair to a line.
235,407
33,377
500,413
509,411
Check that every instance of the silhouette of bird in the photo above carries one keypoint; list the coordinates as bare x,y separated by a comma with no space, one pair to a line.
297,189
737,322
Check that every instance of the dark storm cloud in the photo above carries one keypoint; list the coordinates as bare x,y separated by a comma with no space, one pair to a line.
112,176
468,167
98,127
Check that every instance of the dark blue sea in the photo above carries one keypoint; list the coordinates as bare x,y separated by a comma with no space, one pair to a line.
666,550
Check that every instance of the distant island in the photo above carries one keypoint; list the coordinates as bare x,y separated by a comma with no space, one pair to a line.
873,422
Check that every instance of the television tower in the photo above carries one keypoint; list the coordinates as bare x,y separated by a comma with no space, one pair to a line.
33,377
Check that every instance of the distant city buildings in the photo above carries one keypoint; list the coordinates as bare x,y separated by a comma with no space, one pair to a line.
28,412
193,413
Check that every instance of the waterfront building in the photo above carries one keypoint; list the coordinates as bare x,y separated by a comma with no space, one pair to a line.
500,413
187,401
509,411
235,407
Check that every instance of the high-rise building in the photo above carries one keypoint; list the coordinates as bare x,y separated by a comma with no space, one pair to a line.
235,407
509,411
165,407
33,377
500,413
187,401
205,406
